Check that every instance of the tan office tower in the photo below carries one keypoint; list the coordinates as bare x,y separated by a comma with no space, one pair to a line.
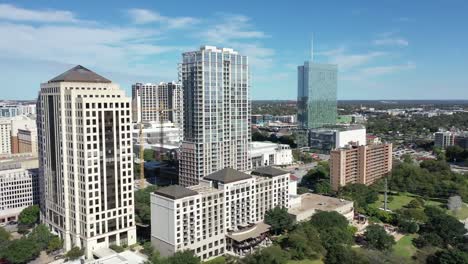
359,164
86,161
216,113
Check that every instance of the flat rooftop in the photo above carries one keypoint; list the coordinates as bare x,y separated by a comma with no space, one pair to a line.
312,201
251,232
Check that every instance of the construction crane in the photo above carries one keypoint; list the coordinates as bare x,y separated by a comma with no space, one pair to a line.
161,141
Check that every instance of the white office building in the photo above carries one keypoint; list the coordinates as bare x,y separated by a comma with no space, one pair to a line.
444,139
265,154
86,161
222,214
216,114
5,136
153,101
18,190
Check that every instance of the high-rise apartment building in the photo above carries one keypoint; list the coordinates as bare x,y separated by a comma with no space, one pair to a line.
152,102
359,164
316,94
222,214
5,136
86,160
216,113
444,139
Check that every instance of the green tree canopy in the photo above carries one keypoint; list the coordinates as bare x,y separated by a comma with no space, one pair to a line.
75,253
377,238
29,215
279,219
269,255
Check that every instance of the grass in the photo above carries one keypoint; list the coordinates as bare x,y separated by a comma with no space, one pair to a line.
461,214
306,261
404,247
400,200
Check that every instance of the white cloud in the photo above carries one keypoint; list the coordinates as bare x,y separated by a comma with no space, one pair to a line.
145,16
347,61
391,41
113,48
13,13
380,70
231,27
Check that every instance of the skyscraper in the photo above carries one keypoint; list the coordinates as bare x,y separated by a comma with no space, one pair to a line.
86,160
316,94
149,98
216,113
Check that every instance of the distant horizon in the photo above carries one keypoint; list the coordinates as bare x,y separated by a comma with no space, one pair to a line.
371,100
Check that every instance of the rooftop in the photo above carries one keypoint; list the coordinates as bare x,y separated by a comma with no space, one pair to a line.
311,201
251,232
175,192
228,175
268,172
80,74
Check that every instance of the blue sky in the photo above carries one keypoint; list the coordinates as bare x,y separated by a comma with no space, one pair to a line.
384,49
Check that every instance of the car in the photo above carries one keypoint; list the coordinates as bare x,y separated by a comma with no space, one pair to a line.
59,257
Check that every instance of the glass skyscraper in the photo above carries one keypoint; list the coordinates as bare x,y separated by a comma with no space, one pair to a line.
316,94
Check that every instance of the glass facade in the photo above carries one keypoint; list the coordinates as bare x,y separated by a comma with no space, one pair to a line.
316,94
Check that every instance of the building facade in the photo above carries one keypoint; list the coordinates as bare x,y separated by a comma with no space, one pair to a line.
5,136
19,188
86,161
316,94
24,123
216,113
222,214
360,164
153,101
265,154
444,139
327,139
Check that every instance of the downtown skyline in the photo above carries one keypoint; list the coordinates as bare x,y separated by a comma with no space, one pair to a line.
403,54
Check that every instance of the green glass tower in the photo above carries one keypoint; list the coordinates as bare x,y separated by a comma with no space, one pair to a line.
316,94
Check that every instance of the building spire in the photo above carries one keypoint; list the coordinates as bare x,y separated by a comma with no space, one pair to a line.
312,48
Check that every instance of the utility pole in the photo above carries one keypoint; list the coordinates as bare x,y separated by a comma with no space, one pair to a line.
385,195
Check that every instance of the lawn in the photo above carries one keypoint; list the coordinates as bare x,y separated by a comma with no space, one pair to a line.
400,200
306,261
461,214
404,247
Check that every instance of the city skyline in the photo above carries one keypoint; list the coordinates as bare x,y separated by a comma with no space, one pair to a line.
387,59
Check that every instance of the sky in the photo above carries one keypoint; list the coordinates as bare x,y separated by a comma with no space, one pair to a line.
383,49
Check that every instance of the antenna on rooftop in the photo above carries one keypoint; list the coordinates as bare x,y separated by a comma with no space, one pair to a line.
312,48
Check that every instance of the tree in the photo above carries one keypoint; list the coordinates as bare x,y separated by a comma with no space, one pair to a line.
279,219
4,235
455,153
142,204
333,229
322,220
269,255
302,190
452,256
415,203
75,253
55,243
117,248
41,236
447,227
304,243
148,155
340,254
21,251
454,203
183,257
29,215
377,238
361,194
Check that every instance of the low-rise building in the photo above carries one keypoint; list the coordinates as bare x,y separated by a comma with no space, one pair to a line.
311,203
222,214
359,164
270,154
327,139
19,188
